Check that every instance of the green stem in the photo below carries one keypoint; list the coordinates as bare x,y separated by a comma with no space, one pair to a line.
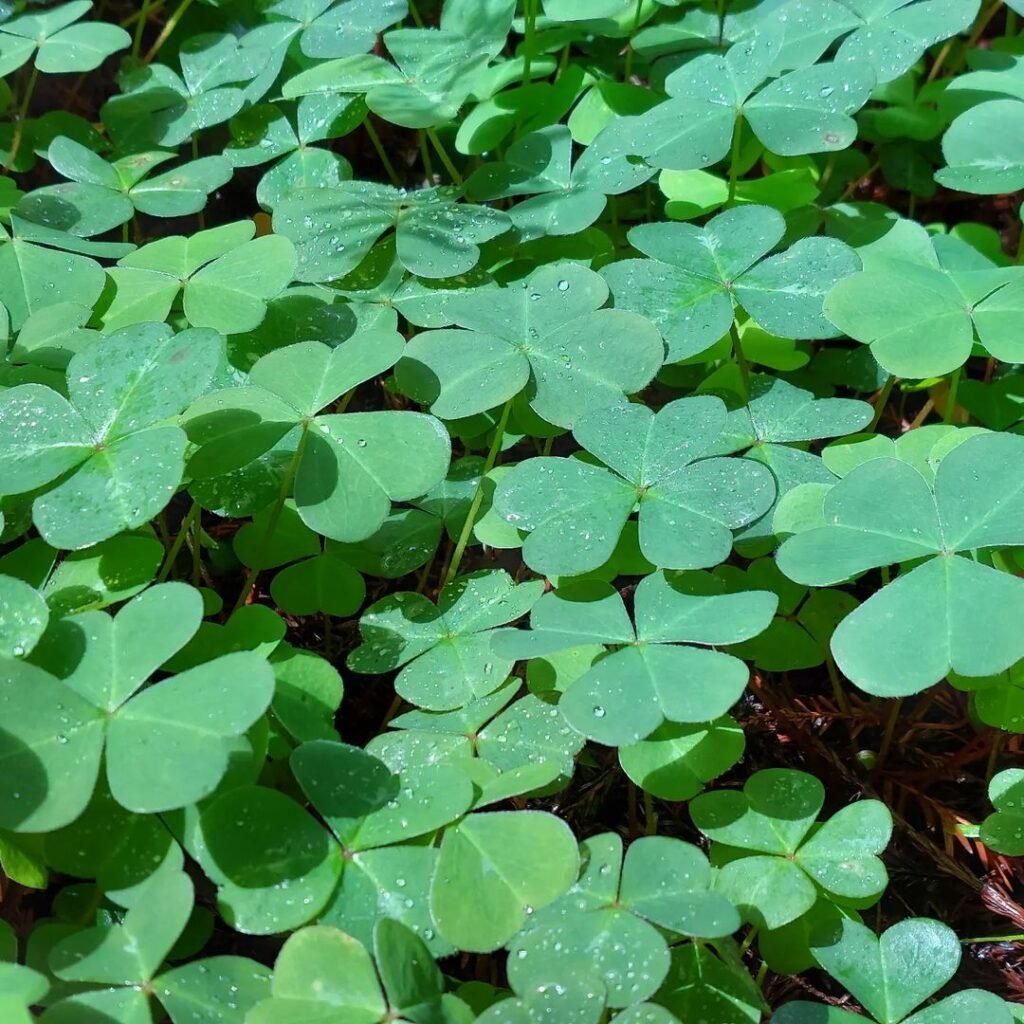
478,496
530,30
991,938
275,517
954,385
445,159
195,543
19,128
415,14
165,33
381,152
721,22
183,530
880,401
133,19
887,736
140,27
629,49
741,359
650,815
734,159
428,165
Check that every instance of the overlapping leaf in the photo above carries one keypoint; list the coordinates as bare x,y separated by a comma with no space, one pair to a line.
948,612
654,674
689,285
548,336
574,511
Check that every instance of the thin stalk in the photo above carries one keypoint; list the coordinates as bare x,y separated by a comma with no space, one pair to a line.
993,756
428,164
165,33
140,27
880,400
438,145
381,152
275,518
529,31
183,530
741,359
132,19
991,938
415,14
478,496
748,940
954,385
650,815
734,160
194,540
837,686
632,32
19,128
852,187
887,736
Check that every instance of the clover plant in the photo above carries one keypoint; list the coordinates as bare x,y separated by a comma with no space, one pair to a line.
511,511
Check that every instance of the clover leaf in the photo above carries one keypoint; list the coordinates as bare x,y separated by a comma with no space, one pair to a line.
768,833
565,199
347,468
159,106
694,276
59,45
383,808
702,982
23,617
996,700
334,28
804,111
576,996
777,417
445,648
574,511
334,229
893,973
892,35
949,612
224,277
922,319
111,457
68,707
433,73
102,195
654,674
512,863
609,920
35,276
1003,831
323,973
548,335
264,133
507,736
132,951
126,955
677,760
982,149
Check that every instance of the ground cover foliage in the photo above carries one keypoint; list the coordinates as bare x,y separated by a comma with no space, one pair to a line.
511,511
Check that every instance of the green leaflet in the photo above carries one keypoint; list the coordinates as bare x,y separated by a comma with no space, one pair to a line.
947,597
